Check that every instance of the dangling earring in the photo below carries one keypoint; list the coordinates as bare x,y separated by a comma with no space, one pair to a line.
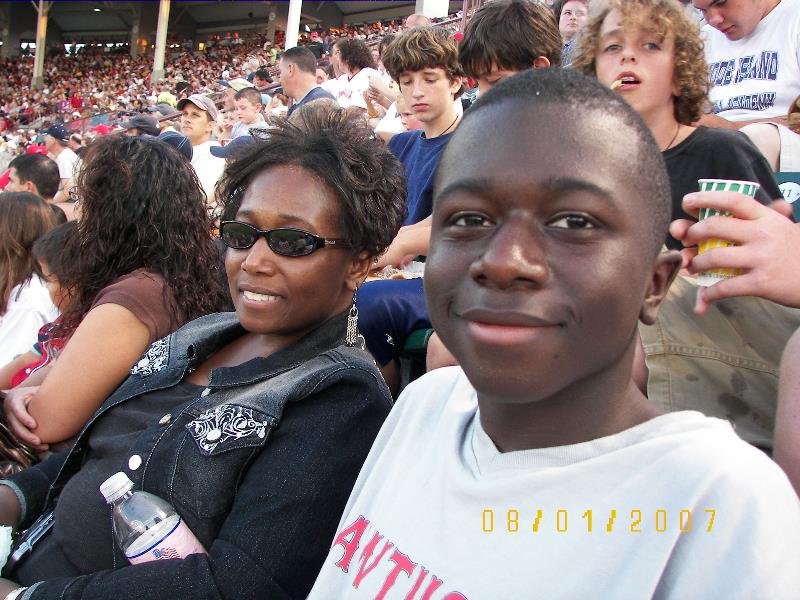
352,337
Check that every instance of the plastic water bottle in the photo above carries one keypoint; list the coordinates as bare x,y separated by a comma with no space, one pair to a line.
145,526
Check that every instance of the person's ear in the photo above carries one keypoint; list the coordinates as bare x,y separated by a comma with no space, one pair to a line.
30,187
455,85
541,62
359,269
665,268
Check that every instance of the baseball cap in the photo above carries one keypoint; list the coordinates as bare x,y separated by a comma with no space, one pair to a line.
162,109
143,123
202,102
232,147
58,131
35,149
236,84
177,140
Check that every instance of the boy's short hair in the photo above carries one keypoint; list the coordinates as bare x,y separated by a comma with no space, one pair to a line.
585,95
302,58
423,48
509,34
250,94
264,74
664,17
355,53
40,170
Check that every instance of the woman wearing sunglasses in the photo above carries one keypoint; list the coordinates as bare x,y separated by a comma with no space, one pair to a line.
252,424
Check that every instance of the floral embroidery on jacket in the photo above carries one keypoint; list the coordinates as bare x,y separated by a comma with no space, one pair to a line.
225,423
154,360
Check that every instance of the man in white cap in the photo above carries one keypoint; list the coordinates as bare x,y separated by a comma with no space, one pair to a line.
197,121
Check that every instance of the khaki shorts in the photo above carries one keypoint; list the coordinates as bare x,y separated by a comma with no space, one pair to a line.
724,364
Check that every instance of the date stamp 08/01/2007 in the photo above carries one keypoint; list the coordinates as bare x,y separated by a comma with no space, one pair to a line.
512,521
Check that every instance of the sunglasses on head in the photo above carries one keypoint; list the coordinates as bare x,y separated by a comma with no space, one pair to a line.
286,241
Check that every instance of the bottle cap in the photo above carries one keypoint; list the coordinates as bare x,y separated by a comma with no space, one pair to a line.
115,486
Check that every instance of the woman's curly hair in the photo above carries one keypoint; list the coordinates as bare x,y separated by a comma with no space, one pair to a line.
343,153
665,18
355,54
24,217
142,207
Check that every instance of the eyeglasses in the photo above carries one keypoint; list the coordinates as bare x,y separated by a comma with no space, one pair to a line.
286,241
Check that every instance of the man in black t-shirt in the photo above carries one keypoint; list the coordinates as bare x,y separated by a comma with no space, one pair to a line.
317,47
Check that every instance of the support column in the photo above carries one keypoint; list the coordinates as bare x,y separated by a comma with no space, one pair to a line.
161,42
432,8
10,40
293,23
271,18
136,28
41,45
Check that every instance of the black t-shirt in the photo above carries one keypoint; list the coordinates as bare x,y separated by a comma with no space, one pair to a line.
72,549
715,154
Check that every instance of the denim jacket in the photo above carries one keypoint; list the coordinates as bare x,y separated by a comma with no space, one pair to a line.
259,466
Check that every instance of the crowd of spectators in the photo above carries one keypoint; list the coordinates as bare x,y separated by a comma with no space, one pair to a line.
522,197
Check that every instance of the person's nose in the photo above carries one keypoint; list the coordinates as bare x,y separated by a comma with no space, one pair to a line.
416,89
260,258
714,17
628,53
514,256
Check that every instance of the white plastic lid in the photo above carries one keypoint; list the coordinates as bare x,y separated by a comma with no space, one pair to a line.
115,486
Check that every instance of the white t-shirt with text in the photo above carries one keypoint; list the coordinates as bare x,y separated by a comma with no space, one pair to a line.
676,507
758,76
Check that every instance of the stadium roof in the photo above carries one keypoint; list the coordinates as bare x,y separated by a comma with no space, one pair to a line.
82,17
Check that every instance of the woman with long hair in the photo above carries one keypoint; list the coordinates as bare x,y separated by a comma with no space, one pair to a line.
253,425
24,301
142,263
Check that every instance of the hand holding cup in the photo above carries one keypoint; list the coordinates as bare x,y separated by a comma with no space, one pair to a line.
766,250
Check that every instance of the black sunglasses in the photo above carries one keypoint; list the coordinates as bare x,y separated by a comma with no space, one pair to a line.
286,241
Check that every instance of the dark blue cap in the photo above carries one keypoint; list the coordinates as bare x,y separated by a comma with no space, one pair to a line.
177,140
58,131
231,147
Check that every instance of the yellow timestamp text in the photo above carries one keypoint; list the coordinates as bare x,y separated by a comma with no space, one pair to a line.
630,521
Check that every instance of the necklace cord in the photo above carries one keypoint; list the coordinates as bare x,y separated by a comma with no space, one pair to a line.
674,137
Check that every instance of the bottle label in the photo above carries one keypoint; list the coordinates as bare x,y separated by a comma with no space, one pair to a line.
169,539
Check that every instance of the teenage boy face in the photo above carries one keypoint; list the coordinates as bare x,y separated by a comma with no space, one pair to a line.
492,77
429,93
638,53
735,18
538,268
495,75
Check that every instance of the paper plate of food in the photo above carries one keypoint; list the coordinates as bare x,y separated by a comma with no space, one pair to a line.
412,270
